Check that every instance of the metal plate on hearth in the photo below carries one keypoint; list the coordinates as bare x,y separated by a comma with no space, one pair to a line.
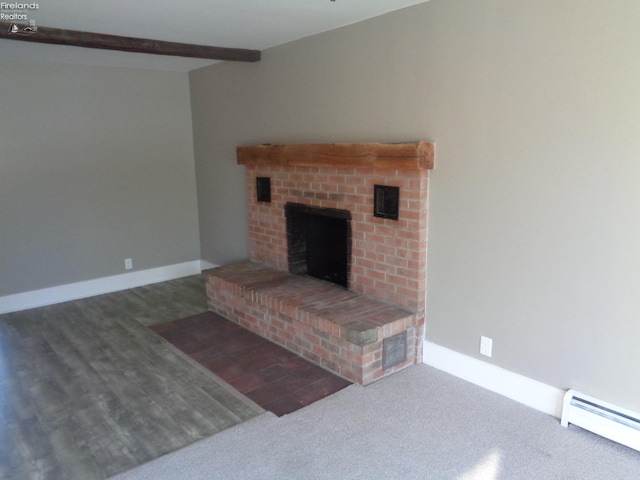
394,350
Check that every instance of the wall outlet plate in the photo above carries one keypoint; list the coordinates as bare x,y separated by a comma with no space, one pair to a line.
128,264
486,346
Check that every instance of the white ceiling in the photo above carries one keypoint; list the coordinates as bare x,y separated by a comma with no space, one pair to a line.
252,24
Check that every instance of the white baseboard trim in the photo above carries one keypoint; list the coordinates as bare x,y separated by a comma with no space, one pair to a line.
206,265
99,286
527,391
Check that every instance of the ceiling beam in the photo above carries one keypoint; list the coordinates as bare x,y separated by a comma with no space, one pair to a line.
128,44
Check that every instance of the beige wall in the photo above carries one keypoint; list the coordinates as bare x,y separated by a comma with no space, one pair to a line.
535,202
96,165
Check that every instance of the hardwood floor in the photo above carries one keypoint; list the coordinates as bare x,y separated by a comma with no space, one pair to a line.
87,391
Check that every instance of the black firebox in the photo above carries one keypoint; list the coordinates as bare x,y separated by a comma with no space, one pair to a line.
319,242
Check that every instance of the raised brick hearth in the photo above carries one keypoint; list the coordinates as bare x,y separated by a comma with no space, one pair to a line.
351,332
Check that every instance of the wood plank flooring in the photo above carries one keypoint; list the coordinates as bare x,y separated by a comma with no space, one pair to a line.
87,391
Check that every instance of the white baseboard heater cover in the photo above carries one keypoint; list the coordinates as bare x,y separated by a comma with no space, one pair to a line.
605,419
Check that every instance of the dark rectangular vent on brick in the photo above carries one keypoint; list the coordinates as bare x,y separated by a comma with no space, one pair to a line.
319,242
263,186
386,201
394,350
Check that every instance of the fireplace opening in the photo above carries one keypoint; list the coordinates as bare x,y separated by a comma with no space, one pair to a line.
319,242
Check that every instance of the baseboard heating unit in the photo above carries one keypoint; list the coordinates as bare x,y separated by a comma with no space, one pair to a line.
610,421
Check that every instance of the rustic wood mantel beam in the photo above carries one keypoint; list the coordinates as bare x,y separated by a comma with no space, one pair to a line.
127,44
396,156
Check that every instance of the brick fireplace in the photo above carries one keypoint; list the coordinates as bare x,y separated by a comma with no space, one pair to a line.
376,326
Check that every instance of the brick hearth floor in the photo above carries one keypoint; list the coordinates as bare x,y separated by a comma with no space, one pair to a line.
276,379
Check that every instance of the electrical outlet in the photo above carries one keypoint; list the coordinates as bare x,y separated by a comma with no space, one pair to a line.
128,264
486,346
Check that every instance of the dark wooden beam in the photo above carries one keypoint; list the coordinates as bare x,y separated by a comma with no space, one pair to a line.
128,44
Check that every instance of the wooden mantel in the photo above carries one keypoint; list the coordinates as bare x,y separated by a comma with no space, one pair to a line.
396,156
